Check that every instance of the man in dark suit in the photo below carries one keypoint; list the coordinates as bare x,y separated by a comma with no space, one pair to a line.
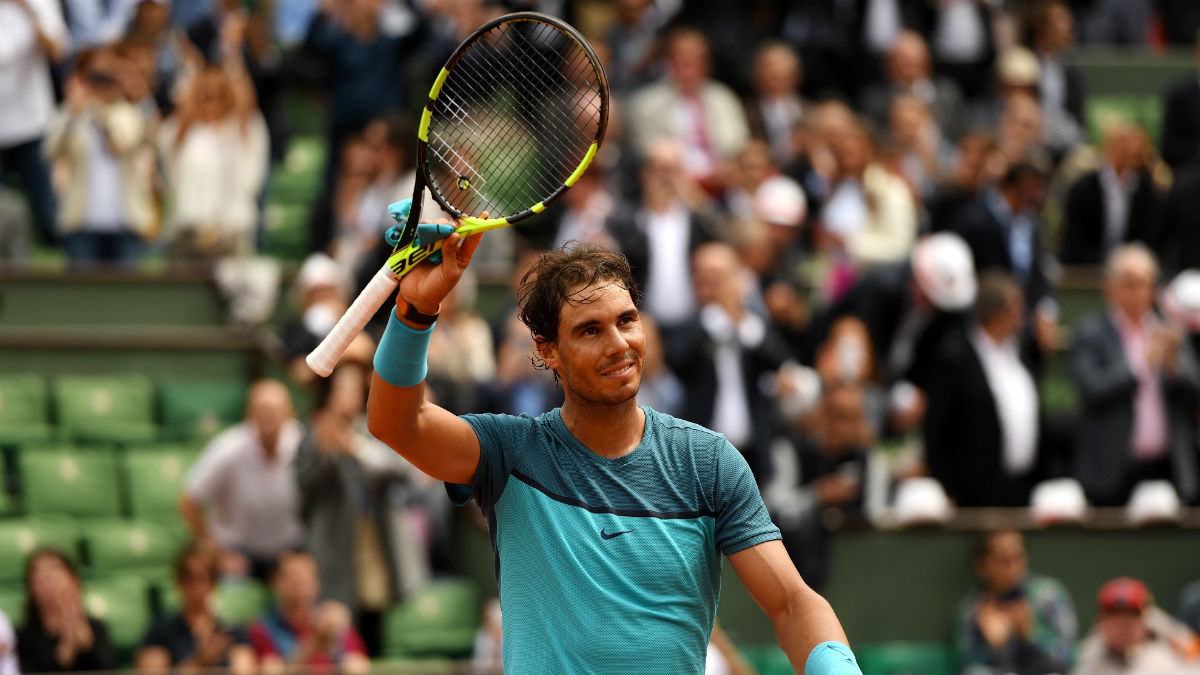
1181,120
908,70
982,428
1138,383
1115,203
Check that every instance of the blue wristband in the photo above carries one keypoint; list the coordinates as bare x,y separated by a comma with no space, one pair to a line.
831,658
402,352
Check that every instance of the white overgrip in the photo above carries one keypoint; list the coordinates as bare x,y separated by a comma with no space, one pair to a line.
326,355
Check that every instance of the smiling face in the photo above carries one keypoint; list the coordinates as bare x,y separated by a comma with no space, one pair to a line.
598,353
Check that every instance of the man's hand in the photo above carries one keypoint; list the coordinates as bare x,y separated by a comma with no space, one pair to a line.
426,285
995,622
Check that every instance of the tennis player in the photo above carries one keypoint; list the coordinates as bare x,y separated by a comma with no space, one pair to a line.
607,519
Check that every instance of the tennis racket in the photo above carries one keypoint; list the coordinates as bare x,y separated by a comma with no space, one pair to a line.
513,120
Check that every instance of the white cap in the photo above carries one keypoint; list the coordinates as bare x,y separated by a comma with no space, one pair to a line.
780,201
921,500
1018,66
945,270
1181,300
1153,501
1058,501
320,270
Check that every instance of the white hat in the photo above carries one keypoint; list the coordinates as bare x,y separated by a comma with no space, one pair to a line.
780,201
1058,501
1181,300
921,500
1018,66
945,270
1153,501
320,270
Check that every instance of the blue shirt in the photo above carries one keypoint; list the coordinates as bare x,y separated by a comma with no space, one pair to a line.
610,565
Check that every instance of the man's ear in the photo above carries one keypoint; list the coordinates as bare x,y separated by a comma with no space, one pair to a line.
547,351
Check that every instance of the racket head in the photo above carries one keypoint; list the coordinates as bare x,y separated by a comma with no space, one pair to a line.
513,120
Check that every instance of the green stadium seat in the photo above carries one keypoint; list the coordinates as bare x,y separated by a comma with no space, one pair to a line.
907,658
61,479
199,408
117,544
24,409
106,408
21,536
237,601
12,603
123,604
154,478
438,620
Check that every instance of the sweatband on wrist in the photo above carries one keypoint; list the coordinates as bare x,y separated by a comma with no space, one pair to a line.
831,658
400,358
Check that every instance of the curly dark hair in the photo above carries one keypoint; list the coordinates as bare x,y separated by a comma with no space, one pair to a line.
568,274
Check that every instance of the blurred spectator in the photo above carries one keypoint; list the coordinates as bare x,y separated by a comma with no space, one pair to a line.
195,639
584,210
659,234
1138,380
1015,621
297,634
703,115
660,389
1020,131
633,39
244,480
96,23
214,150
9,664
722,355
846,357
751,167
908,71
1118,22
154,50
917,145
962,43
1180,142
100,142
1016,73
14,229
967,176
982,427
1114,204
1179,238
488,654
1060,82
461,352
776,108
369,552
320,287
870,216
58,635
35,38
1180,20
1132,635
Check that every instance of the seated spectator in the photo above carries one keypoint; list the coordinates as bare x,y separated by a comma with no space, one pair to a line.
1132,635
982,426
846,358
58,635
244,481
106,205
971,170
1060,82
215,154
776,108
297,632
909,72
194,639
1137,380
1015,621
1113,204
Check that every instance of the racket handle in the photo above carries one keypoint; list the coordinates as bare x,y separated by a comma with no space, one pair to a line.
326,355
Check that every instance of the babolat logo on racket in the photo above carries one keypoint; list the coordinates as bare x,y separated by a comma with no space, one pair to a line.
401,263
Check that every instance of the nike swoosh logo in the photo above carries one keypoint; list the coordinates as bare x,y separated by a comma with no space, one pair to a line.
606,536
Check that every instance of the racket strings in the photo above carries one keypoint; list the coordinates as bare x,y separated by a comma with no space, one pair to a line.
514,119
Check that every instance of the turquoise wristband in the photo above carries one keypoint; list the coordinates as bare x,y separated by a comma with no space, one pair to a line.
831,658
402,352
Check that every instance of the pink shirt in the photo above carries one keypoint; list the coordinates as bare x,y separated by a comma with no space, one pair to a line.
1148,439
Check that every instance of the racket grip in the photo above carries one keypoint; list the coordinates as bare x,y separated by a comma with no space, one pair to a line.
326,355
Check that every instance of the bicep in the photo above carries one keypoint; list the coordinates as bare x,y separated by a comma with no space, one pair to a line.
435,440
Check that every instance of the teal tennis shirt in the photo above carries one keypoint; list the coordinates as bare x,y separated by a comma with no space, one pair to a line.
610,565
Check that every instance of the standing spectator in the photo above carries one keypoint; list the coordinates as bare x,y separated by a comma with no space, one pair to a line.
1060,82
703,115
917,144
9,664
1114,204
244,479
297,633
962,187
908,71
1181,119
58,635
1133,636
633,39
962,43
776,108
106,206
1015,621
195,639
1138,380
215,153
35,38
982,428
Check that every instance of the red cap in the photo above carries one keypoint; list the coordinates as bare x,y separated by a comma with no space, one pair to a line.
1124,593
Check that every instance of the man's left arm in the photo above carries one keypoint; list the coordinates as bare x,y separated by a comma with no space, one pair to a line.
805,625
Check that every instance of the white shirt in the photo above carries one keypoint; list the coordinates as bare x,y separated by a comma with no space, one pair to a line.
105,188
882,25
731,410
26,94
253,504
847,211
1016,400
668,295
780,116
1118,193
8,648
959,36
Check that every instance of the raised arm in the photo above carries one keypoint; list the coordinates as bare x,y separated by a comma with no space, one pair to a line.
435,440
803,620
